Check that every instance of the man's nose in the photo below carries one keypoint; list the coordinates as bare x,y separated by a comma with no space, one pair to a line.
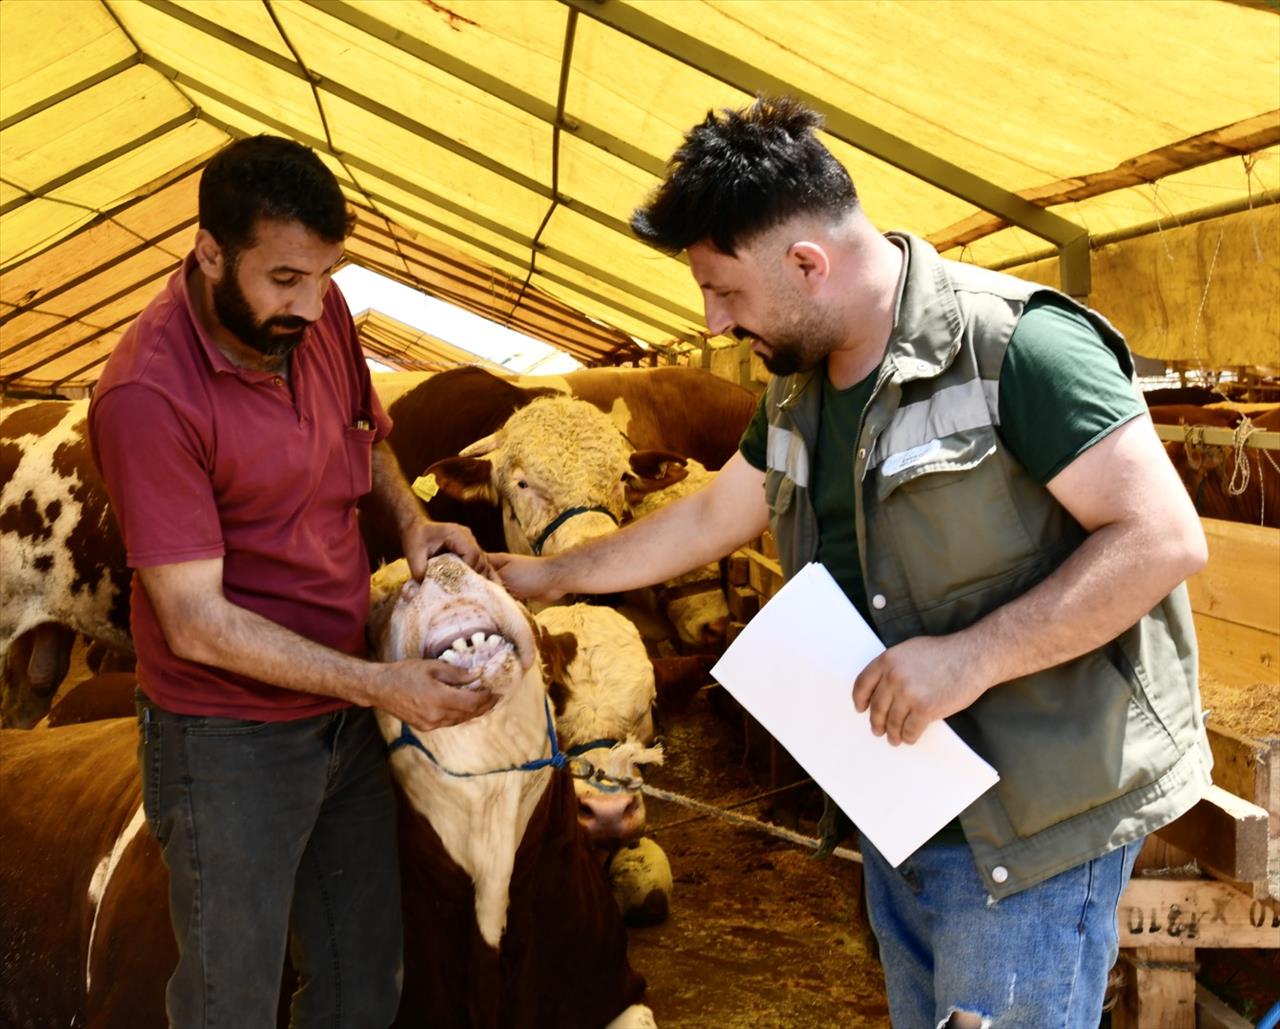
718,318
307,302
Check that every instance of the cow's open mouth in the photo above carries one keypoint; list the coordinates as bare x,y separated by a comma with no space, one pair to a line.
474,650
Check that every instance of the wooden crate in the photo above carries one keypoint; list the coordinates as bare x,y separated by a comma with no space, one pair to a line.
1234,833
1235,601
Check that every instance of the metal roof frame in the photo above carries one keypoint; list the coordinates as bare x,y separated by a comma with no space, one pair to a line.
1072,240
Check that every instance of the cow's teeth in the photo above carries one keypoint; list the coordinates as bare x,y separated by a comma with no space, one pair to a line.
460,645
450,657
495,639
477,638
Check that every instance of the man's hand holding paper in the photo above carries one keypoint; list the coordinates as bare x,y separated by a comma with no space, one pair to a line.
917,682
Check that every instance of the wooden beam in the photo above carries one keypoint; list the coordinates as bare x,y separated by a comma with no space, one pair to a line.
1237,655
1191,913
1212,1013
1225,833
1161,991
1242,137
1218,437
1241,582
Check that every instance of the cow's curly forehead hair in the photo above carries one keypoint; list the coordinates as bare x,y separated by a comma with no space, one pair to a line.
740,173
273,178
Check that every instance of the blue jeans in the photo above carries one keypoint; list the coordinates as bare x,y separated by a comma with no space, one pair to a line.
1039,958
276,834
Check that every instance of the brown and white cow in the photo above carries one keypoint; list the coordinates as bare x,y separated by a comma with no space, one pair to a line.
62,563
508,917
602,689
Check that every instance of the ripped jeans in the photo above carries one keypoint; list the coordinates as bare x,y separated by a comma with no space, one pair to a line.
1038,958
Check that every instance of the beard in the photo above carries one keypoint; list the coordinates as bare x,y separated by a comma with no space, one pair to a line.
275,337
799,350
804,336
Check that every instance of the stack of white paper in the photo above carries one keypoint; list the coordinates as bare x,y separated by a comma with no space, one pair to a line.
793,668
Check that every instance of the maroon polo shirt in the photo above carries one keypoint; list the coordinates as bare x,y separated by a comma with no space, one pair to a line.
206,460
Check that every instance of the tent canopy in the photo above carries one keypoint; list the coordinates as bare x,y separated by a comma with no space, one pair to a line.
494,149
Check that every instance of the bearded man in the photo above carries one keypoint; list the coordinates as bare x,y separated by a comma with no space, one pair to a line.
236,427
966,454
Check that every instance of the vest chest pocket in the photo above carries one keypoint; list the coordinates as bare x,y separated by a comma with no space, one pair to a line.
954,525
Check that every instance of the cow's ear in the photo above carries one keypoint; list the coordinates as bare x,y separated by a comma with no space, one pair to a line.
465,478
652,470
557,651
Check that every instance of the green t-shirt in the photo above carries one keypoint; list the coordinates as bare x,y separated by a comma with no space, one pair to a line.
1061,390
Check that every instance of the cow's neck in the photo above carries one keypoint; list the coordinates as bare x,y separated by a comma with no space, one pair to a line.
481,818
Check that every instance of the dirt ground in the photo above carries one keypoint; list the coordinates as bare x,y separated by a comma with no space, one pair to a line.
761,935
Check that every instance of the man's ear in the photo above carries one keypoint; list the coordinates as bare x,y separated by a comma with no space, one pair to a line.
811,262
210,256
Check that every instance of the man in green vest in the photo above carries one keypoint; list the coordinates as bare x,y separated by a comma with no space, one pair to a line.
967,455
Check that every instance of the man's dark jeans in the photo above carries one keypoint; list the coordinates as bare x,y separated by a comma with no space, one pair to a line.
276,833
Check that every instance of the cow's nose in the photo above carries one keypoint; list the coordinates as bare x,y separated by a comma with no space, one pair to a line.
713,631
610,817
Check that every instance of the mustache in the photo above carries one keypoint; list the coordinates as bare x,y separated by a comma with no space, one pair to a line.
286,324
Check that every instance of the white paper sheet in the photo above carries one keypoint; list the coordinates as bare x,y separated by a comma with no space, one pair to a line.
793,668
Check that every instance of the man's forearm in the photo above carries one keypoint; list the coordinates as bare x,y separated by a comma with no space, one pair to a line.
391,489
684,535
230,637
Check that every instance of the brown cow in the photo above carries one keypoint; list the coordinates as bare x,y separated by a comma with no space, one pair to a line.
62,561
508,918
1238,486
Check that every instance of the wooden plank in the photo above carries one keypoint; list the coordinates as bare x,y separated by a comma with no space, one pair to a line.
744,603
1248,768
1190,913
1217,436
1241,582
1237,655
1161,990
1212,1013
1225,833
764,561
738,568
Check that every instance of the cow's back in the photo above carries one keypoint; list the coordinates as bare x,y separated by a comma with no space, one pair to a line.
73,836
685,410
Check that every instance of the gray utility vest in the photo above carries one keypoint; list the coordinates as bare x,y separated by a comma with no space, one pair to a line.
1093,753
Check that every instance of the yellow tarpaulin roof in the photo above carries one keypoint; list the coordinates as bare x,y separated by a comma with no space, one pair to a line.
495,149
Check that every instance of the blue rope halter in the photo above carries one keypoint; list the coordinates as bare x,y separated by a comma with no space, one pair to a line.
558,759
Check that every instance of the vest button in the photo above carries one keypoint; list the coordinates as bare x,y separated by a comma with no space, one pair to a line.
862,453
999,874
878,602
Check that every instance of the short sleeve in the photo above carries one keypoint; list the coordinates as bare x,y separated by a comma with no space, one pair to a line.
157,478
754,445
1062,389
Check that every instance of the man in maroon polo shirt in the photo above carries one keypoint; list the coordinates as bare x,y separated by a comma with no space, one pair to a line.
236,427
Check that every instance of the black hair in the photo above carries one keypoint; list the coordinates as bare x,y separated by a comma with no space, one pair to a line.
740,173
274,178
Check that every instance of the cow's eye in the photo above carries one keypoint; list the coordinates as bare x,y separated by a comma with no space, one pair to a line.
522,484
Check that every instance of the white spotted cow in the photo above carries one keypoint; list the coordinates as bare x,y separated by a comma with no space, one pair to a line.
62,563
508,918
